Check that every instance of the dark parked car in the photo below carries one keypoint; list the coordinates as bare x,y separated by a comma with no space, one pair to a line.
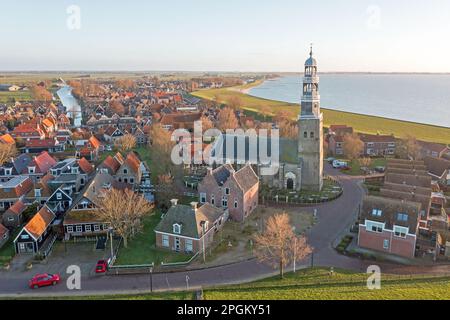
44,280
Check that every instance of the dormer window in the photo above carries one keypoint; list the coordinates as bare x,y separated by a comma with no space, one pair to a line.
37,193
31,170
75,170
177,228
8,171
402,217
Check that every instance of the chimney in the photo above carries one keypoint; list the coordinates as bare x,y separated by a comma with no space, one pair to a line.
194,205
174,202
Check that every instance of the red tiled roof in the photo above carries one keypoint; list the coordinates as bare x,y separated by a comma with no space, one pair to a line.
94,142
376,138
111,163
6,138
43,162
85,165
46,143
17,208
133,161
39,223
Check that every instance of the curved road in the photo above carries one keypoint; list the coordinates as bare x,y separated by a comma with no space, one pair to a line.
333,219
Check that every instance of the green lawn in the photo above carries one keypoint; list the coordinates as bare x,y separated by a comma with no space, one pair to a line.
317,284
356,168
361,123
7,251
142,250
11,97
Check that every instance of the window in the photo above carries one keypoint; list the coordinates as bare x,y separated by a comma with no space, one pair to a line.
386,244
31,170
87,228
311,135
69,229
37,193
79,228
24,237
224,202
202,197
8,172
227,191
125,171
188,245
400,232
176,228
376,212
402,217
59,196
10,219
96,228
213,200
235,203
305,134
131,180
165,240
374,226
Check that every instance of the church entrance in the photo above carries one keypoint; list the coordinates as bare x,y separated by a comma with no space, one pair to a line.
290,184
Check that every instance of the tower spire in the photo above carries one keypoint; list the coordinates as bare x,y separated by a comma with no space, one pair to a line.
311,51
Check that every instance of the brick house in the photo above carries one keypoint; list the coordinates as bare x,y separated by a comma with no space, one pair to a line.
39,166
226,188
189,229
336,135
430,149
378,145
130,171
13,217
389,225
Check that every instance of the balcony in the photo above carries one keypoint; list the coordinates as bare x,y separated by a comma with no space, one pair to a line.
314,79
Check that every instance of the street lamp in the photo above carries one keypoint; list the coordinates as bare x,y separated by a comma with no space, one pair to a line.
203,240
295,246
110,231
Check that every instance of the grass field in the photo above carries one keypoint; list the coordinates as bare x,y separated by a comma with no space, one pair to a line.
361,123
10,97
142,250
317,284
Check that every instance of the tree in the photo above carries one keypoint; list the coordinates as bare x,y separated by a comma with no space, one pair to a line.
234,102
227,119
125,143
353,146
365,162
7,151
117,107
123,210
165,189
409,148
278,244
161,144
125,84
206,123
41,93
288,129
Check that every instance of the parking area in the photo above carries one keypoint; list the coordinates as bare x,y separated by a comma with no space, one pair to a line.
83,254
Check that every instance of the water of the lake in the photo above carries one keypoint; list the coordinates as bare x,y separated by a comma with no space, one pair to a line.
73,108
412,97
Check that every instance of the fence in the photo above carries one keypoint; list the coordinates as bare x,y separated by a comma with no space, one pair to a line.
131,269
180,264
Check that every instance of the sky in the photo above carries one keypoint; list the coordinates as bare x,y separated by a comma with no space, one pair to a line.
231,35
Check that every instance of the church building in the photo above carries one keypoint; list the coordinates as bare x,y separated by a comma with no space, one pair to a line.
300,165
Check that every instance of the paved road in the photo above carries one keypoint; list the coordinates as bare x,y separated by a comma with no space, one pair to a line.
333,219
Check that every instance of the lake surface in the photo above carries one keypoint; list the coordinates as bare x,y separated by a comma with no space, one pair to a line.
418,98
73,108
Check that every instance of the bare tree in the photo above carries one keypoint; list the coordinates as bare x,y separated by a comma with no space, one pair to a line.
125,143
161,145
165,190
234,102
7,151
278,244
227,119
353,146
206,123
117,107
409,148
123,210
365,162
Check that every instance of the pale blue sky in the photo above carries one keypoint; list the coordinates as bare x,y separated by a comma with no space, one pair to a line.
232,35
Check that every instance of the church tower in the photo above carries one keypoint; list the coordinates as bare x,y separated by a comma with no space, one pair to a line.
310,123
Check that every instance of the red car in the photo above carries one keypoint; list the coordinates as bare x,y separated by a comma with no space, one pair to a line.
101,267
44,280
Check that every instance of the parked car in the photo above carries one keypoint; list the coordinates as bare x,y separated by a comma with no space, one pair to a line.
337,164
44,280
101,267
380,169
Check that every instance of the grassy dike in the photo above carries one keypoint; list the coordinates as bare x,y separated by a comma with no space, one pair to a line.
309,284
361,123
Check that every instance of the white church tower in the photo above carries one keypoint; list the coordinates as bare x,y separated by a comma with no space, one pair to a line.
310,125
